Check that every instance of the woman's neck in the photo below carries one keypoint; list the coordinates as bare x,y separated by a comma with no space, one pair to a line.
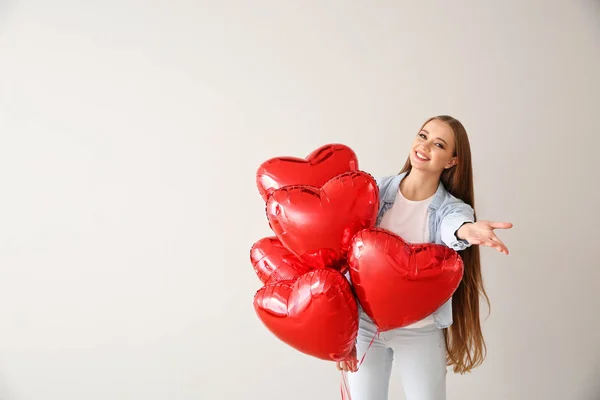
419,186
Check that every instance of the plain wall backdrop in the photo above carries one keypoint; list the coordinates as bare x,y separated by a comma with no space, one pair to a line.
130,133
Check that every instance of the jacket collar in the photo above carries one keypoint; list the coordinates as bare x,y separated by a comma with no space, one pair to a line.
392,190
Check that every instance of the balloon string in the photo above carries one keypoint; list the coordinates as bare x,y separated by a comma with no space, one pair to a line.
344,389
368,347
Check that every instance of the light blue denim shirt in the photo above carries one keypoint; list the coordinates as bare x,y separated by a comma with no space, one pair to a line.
446,215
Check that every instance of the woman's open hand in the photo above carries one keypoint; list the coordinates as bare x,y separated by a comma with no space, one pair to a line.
482,233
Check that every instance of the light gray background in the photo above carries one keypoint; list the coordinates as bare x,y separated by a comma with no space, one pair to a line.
130,134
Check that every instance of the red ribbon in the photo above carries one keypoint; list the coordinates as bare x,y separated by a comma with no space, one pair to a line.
344,389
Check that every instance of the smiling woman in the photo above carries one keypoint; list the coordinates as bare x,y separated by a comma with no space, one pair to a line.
430,201
431,150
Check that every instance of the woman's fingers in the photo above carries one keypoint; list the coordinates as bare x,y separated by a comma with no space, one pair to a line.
500,225
348,366
498,245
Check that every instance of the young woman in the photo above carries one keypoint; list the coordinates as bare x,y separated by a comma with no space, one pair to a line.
431,200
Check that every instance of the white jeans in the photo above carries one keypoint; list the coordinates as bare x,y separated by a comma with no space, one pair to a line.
418,354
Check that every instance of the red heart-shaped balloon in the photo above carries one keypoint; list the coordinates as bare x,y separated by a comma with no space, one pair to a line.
316,169
317,224
398,283
316,314
273,263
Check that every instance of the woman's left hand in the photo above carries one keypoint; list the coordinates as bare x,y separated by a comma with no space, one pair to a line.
482,233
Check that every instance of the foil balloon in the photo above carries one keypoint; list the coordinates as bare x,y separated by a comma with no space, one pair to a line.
272,262
317,168
398,283
316,314
317,224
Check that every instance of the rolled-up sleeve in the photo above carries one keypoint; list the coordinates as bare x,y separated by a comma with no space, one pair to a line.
454,215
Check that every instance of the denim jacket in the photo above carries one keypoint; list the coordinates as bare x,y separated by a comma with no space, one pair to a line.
446,215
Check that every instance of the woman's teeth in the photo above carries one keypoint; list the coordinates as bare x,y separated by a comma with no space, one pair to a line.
421,156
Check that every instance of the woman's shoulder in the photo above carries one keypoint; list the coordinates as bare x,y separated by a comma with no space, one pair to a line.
384,180
451,203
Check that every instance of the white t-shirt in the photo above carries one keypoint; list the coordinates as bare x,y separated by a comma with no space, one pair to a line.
410,220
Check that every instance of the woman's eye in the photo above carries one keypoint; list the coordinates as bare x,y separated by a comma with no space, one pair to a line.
423,135
441,146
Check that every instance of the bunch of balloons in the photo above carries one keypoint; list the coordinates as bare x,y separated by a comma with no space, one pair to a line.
314,206
322,210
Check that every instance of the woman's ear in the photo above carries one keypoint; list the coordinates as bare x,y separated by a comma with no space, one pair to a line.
451,163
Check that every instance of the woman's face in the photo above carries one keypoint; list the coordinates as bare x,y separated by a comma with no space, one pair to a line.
433,148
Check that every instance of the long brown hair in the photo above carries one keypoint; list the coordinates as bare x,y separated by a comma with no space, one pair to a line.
465,346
